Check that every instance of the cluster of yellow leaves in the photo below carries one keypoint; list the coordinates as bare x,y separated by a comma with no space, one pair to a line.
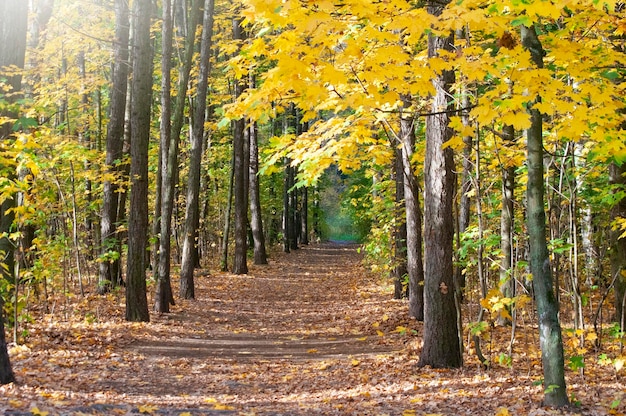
357,60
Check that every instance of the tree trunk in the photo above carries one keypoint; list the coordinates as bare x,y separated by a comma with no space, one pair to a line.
163,296
13,40
109,265
442,346
507,215
136,297
549,327
618,245
192,213
414,262
286,207
256,221
399,232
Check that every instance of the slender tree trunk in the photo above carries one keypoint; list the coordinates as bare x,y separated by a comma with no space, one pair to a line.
163,295
256,220
286,208
618,245
507,215
400,232
110,264
442,346
415,266
192,213
229,206
547,310
136,297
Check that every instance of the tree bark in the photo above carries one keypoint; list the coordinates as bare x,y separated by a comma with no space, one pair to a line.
256,220
442,346
163,295
547,310
618,245
507,216
192,213
399,232
13,40
109,266
136,297
414,262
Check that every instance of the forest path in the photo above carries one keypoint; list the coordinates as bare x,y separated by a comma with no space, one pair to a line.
312,333
301,306
301,335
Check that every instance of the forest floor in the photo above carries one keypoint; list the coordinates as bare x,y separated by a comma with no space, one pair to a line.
312,333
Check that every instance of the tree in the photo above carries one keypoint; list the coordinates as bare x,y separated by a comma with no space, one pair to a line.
414,263
550,341
136,297
240,265
109,265
192,212
442,346
256,219
12,56
163,296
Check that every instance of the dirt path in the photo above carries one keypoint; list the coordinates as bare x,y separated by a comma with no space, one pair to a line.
312,333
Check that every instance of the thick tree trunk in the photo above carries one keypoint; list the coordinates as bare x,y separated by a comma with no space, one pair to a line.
136,297
414,262
13,40
109,265
192,213
547,310
618,246
442,347
256,220
240,261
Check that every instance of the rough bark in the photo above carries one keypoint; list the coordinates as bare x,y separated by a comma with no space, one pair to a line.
399,233
109,267
442,347
507,215
240,263
136,298
414,262
618,245
13,40
550,340
192,213
163,296
256,221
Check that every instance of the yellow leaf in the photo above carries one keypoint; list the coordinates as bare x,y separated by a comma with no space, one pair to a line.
619,363
147,409
185,414
380,333
376,324
36,412
220,406
409,412
503,411
311,351
362,339
355,362
385,318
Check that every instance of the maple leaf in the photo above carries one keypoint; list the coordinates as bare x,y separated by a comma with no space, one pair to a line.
148,409
36,412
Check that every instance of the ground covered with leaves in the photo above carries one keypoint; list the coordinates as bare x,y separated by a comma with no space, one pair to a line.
311,333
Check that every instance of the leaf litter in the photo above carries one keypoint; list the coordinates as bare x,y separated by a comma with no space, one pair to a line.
311,333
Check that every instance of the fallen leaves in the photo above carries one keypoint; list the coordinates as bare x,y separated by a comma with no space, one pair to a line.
256,345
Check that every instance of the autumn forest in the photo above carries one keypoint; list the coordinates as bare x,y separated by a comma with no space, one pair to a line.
227,197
